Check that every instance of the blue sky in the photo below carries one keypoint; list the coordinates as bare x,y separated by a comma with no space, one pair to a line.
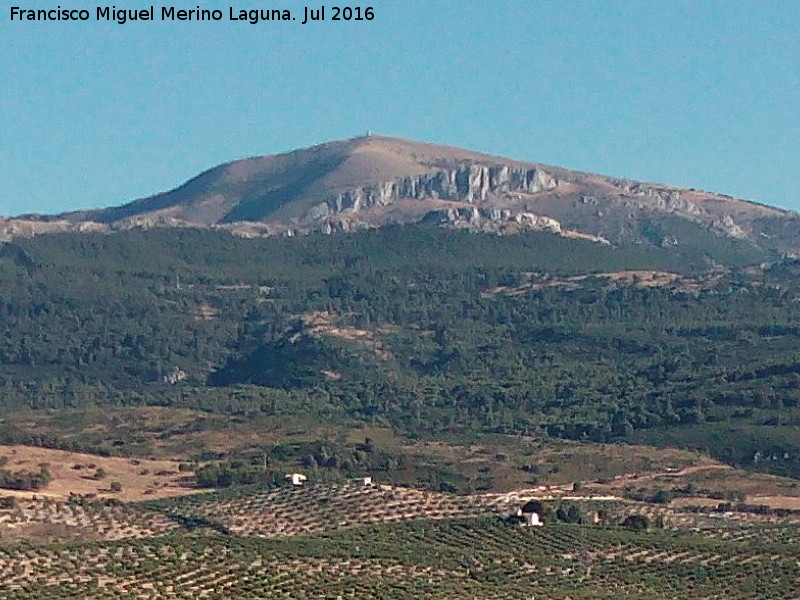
702,94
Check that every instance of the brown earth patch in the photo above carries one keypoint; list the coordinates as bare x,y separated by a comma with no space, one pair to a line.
321,323
75,473
787,502
649,279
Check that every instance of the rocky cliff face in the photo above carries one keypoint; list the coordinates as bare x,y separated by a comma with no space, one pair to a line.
471,184
476,185
659,198
492,219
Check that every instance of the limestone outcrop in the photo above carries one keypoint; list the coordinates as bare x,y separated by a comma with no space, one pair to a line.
491,219
471,184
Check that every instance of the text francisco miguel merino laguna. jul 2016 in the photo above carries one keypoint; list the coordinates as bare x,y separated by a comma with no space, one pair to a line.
112,13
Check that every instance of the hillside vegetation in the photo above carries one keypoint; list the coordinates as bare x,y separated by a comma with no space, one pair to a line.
425,331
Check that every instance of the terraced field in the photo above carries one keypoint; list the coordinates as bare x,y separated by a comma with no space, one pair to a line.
44,519
373,542
466,558
290,511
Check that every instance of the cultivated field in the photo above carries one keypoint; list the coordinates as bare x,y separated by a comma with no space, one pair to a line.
380,541
471,559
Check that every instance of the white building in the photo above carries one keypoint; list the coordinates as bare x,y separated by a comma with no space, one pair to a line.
529,514
532,519
296,478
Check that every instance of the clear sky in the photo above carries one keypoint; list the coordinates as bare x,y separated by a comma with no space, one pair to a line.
700,93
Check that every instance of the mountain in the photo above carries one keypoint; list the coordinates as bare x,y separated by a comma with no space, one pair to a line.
640,313
372,181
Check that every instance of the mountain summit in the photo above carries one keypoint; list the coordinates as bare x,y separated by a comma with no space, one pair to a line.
372,181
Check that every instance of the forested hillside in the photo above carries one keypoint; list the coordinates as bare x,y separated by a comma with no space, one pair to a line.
426,330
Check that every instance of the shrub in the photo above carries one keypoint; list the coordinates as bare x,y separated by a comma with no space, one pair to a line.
24,480
636,522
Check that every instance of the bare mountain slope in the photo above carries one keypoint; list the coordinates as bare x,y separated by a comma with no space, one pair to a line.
372,181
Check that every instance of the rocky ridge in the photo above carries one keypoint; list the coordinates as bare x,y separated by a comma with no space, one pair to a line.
373,181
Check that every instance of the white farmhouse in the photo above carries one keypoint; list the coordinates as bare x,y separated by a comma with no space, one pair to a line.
296,478
530,514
